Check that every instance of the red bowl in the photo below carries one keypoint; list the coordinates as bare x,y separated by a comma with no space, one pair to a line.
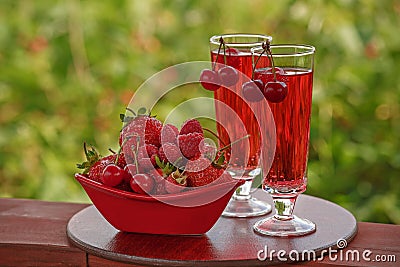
189,212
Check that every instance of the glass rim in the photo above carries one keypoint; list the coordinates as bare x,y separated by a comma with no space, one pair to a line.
215,39
307,50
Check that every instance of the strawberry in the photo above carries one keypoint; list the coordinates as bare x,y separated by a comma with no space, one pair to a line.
134,127
175,182
121,162
94,165
153,131
189,144
169,133
97,169
146,127
169,152
147,150
203,171
191,126
129,147
145,164
204,177
197,165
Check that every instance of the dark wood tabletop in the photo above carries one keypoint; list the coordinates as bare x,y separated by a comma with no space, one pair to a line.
33,233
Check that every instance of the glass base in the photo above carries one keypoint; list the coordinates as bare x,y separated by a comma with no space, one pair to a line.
242,208
284,228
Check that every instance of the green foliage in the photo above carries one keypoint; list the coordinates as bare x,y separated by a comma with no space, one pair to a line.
68,69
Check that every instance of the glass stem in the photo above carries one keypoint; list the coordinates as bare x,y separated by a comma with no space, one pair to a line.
284,207
243,191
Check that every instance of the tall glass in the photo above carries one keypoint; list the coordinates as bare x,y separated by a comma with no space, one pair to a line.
291,108
236,52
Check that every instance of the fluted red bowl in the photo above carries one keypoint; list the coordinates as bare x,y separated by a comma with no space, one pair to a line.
190,212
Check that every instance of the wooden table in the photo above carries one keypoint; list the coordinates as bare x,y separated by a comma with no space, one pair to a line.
33,233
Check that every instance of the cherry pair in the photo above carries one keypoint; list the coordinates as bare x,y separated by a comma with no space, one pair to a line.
226,76
212,80
113,175
274,91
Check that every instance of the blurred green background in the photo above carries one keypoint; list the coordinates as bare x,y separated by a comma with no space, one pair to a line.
68,68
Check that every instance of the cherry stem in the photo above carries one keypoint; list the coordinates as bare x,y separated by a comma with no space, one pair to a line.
224,51
117,157
135,153
214,134
255,64
234,142
267,47
221,41
119,150
176,162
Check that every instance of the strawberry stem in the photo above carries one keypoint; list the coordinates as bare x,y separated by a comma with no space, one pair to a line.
142,111
234,142
219,163
85,149
91,157
131,110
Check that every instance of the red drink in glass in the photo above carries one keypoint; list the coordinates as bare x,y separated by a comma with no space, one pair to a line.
237,123
292,122
287,73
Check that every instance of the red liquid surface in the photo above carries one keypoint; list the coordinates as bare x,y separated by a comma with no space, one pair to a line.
292,122
244,154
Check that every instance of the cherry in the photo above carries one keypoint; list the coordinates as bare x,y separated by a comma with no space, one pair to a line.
229,76
112,175
210,80
142,183
252,90
130,169
232,51
276,91
277,70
